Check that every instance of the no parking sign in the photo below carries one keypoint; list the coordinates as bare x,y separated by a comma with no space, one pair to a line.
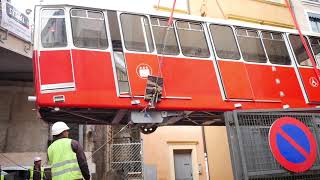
292,144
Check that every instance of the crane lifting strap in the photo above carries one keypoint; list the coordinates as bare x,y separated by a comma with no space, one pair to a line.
303,40
172,11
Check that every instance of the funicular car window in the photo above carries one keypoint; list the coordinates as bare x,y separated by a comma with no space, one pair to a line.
299,50
165,37
53,28
192,39
276,48
88,29
224,42
315,44
136,32
251,46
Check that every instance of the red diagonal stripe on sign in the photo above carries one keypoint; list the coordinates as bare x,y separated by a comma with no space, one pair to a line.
293,143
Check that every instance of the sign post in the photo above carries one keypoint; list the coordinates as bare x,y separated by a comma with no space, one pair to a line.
292,144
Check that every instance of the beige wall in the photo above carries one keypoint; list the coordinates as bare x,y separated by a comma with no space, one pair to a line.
158,149
257,11
218,153
211,8
158,144
301,8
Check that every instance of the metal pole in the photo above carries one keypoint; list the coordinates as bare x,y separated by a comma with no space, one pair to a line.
205,152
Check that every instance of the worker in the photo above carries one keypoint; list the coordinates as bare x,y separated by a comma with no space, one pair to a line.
1,175
66,156
36,172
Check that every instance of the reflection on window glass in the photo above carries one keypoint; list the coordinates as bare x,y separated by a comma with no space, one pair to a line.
276,48
53,29
225,42
114,31
315,44
52,12
192,39
88,29
122,74
79,13
251,46
299,50
136,33
165,37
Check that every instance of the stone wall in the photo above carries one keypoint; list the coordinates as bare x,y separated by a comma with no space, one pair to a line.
22,134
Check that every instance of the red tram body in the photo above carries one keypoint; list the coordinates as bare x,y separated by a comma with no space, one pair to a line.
99,59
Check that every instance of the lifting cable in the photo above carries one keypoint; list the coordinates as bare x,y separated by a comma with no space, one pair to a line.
12,161
97,120
304,42
160,60
90,157
108,141
164,39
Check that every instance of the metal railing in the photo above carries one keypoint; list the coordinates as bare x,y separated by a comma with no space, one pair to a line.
249,144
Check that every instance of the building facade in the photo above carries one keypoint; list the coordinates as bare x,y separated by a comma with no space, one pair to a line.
308,14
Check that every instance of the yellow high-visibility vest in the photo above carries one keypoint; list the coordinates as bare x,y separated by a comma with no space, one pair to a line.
32,170
63,161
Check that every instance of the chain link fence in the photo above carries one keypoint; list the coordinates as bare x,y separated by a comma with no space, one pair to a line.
251,156
127,160
126,155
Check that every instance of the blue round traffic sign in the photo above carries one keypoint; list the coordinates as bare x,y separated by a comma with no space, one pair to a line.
292,144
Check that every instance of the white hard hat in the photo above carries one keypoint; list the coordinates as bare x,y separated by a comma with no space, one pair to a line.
58,128
37,159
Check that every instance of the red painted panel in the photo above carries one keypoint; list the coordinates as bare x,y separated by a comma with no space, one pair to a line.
93,71
189,78
263,82
183,77
289,85
139,66
55,67
95,85
311,84
235,80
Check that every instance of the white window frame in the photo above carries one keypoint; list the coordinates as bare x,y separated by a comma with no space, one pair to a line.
306,12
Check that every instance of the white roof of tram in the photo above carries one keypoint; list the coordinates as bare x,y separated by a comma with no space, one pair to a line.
154,12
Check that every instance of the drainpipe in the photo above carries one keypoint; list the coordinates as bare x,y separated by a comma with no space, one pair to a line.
205,153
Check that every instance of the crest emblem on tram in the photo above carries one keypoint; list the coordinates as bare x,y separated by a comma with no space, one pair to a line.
144,70
314,82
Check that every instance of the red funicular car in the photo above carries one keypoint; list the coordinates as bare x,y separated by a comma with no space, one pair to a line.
111,67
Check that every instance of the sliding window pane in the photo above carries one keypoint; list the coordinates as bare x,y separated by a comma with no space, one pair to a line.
251,46
224,42
276,48
165,37
192,39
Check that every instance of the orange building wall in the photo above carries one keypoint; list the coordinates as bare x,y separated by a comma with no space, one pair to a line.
257,11
156,148
220,167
